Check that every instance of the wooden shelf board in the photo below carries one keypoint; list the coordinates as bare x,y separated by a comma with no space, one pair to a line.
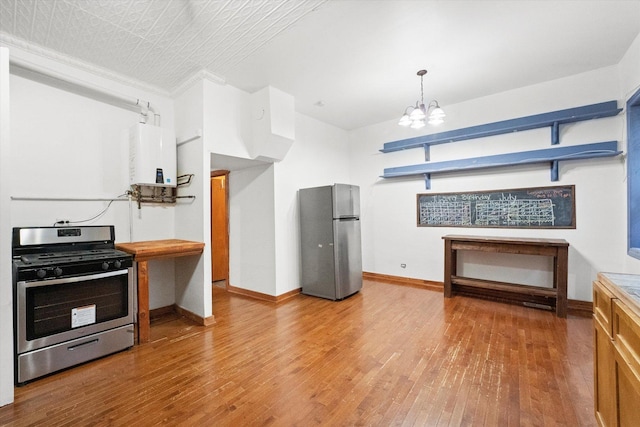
505,287
548,155
551,119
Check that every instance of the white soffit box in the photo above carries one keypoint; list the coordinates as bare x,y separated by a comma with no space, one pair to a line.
273,123
152,156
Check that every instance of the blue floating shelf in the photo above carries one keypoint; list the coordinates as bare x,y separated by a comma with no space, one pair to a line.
552,120
548,155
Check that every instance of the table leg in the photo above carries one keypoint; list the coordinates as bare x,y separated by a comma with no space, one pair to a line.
143,302
449,268
561,273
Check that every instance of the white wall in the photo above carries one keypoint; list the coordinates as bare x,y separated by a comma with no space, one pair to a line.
227,132
319,156
390,234
630,70
264,229
70,146
252,234
263,246
193,274
74,149
6,304
228,129
67,146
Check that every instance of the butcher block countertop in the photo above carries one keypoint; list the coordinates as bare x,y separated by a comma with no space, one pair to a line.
154,249
149,250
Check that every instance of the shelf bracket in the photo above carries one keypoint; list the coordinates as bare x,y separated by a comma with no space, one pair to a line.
554,170
555,133
427,152
427,181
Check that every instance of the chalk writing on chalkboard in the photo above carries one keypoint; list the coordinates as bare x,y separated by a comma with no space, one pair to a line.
541,207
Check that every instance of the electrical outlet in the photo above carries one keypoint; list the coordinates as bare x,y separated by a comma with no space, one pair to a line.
403,265
62,221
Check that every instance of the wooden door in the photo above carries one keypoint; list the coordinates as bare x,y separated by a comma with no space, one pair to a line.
219,227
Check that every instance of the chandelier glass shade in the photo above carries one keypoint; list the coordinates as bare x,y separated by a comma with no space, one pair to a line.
417,116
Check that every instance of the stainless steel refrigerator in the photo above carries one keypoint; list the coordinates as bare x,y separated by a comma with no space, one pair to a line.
331,255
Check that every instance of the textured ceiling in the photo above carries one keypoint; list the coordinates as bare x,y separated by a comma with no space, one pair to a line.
357,58
160,42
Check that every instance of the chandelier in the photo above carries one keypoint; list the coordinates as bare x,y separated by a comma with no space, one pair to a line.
415,116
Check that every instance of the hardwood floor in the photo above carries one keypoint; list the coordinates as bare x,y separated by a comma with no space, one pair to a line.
389,355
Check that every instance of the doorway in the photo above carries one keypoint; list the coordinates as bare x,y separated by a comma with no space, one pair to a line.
220,227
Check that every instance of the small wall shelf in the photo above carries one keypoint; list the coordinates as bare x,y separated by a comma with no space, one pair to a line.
548,155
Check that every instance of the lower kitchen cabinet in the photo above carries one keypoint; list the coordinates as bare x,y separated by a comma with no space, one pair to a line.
616,318
626,342
604,378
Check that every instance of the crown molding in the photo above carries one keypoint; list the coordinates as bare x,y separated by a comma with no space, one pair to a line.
196,77
11,41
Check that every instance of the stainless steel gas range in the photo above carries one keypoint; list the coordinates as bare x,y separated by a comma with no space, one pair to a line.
73,298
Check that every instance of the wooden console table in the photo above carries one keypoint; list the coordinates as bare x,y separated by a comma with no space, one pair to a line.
534,295
150,250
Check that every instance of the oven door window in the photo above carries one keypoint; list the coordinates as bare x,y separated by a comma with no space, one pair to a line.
58,308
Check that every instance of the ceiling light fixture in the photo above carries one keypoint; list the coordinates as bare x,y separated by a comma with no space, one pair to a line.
415,116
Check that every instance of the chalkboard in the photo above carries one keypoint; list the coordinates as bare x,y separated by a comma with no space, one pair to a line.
541,207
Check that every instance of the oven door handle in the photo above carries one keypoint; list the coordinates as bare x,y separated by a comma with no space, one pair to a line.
73,279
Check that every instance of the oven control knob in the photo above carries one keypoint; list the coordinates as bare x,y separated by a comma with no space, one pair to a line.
41,273
105,265
117,263
57,271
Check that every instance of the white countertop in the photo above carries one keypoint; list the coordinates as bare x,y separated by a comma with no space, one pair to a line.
629,283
